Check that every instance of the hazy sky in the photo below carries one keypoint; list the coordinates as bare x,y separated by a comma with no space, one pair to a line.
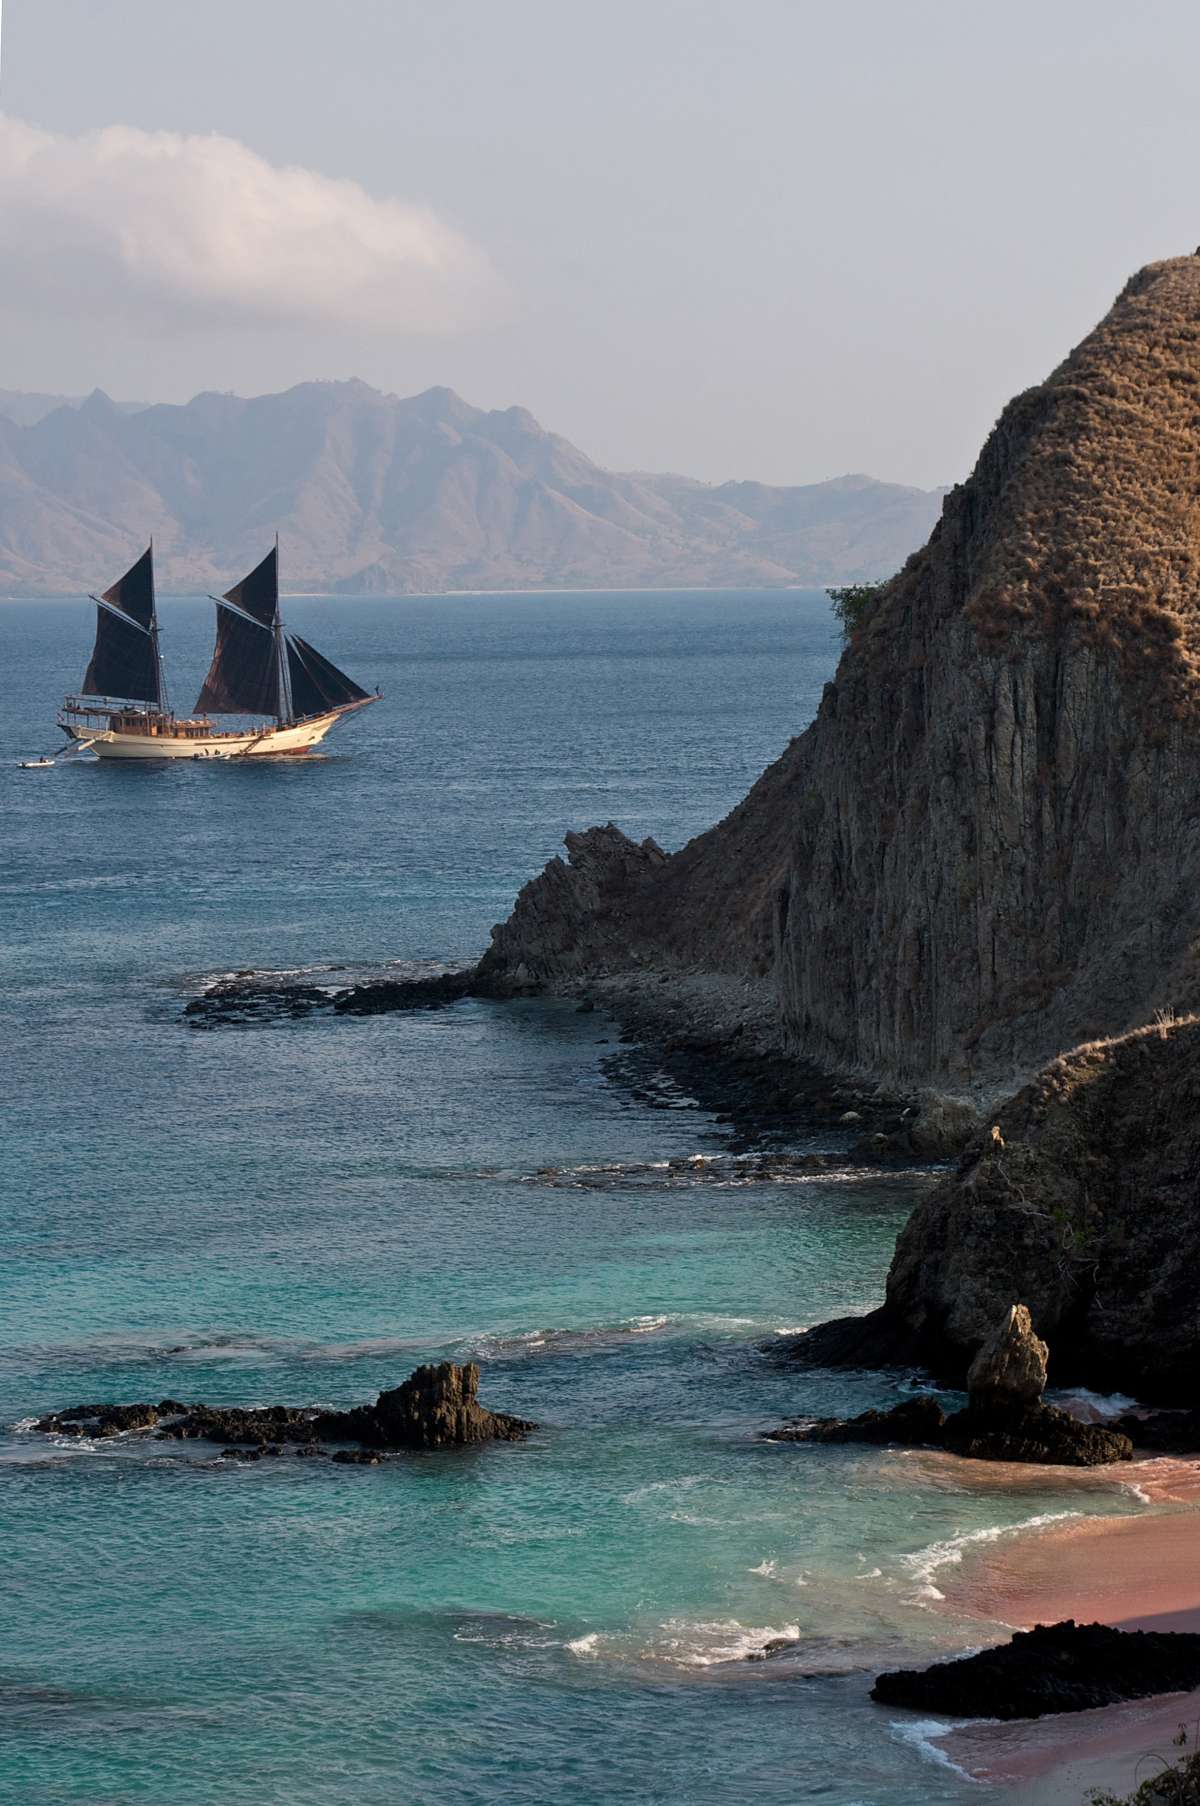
752,238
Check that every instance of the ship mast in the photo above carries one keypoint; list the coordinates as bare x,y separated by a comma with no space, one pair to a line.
283,702
160,675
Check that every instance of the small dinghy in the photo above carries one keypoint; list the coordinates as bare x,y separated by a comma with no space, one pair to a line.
36,764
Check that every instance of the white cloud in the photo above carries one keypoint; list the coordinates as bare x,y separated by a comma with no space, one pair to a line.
172,228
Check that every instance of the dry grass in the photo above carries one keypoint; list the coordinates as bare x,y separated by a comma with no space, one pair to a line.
1083,512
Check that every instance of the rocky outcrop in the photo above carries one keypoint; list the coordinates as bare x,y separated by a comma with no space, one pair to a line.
1040,1435
1009,1369
576,917
1005,1418
1081,1199
986,847
436,1407
1065,1667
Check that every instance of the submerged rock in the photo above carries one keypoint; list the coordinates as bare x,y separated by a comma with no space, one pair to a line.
1065,1667
436,1407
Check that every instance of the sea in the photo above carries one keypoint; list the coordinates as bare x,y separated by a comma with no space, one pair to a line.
646,1602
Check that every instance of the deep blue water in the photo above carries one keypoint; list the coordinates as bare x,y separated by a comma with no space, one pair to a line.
303,1210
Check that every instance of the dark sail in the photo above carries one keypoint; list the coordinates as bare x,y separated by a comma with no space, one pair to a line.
316,684
243,678
258,594
125,657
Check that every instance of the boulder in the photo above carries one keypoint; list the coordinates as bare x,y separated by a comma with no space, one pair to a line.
943,1126
1065,1667
1009,1371
436,1407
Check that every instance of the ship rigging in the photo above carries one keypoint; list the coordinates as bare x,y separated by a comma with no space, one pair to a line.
259,669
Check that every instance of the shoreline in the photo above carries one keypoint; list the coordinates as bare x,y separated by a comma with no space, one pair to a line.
1134,1571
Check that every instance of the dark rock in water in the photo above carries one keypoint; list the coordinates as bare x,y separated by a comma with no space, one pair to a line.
384,995
917,1423
357,1457
436,1407
99,1421
254,997
261,997
1035,1433
776,1647
253,1454
1166,1432
875,1340
1009,1371
1038,1433
1064,1667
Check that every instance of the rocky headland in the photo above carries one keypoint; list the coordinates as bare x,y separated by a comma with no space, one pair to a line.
985,849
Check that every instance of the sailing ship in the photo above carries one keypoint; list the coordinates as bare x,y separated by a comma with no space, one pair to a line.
259,669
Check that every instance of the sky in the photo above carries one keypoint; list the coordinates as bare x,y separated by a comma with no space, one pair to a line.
762,239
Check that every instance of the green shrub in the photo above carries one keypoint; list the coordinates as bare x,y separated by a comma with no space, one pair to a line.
852,603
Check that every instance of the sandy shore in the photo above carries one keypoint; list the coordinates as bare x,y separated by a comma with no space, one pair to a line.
1139,1572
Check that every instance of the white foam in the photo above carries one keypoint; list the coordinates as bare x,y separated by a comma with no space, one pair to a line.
1103,1404
922,1735
923,1564
706,1643
585,1646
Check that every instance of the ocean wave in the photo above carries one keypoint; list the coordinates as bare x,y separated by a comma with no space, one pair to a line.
251,1349
922,1735
923,1564
687,1642
499,1345
1091,1407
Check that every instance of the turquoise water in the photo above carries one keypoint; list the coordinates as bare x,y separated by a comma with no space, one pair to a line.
303,1210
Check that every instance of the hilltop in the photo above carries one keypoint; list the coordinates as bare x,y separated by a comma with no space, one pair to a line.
375,494
986,848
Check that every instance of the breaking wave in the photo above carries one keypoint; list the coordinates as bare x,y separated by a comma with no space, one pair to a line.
923,1564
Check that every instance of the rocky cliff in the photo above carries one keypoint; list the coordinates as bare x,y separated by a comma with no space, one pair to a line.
986,847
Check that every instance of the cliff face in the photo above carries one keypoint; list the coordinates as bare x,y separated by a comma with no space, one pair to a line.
986,847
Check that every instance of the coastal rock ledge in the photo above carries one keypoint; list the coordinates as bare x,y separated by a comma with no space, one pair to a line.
437,1407
985,849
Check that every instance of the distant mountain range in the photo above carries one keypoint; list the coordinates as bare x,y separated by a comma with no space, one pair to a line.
372,494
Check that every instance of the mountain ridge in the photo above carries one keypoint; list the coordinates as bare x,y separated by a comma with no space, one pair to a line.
380,494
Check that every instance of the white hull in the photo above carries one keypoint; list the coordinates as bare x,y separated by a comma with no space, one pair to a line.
260,743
